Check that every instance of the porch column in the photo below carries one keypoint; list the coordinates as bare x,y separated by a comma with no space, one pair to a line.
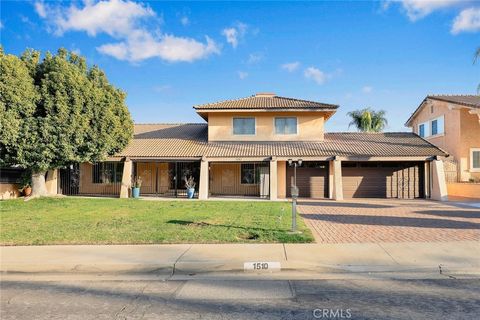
337,180
439,185
52,181
426,180
273,179
331,179
126,178
203,186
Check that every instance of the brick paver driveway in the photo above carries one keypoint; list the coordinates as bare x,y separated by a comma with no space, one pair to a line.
385,220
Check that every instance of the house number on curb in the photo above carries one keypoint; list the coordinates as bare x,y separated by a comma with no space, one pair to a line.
261,266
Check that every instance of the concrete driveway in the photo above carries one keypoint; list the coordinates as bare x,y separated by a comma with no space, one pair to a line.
388,220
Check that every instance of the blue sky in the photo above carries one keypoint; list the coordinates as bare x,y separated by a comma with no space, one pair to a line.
169,56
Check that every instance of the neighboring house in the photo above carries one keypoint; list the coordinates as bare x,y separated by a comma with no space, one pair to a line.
244,147
243,150
452,122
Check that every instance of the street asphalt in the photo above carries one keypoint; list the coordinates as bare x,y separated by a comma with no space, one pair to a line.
443,298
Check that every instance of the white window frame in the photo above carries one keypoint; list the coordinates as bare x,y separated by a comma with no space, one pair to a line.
472,169
245,134
285,134
426,130
440,126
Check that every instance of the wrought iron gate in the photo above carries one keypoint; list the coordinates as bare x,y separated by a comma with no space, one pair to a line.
69,181
167,179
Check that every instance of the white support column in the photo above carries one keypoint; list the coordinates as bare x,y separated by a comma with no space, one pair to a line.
337,180
439,185
426,180
273,179
51,181
330,179
126,178
203,186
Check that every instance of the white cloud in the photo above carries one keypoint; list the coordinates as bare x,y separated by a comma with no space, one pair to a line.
235,34
242,75
254,58
467,21
121,19
291,66
417,9
316,75
40,9
185,21
367,89
1,24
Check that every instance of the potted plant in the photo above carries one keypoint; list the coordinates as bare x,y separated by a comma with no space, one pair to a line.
136,184
190,185
26,184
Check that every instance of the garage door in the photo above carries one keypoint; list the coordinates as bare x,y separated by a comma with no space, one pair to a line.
382,180
312,179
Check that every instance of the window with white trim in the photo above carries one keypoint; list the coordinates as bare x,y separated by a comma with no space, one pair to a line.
475,159
243,126
286,125
437,126
421,130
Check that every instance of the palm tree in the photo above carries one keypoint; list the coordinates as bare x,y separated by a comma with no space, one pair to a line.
368,120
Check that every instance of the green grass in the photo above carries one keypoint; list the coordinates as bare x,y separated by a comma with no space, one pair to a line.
127,221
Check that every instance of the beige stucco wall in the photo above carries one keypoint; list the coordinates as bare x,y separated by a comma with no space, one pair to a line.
310,126
225,179
8,191
461,132
467,190
88,187
281,179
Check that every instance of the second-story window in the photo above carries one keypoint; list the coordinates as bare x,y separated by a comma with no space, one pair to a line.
286,125
243,126
434,127
421,130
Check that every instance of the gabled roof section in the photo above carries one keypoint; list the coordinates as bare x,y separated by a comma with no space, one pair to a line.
472,101
466,100
266,101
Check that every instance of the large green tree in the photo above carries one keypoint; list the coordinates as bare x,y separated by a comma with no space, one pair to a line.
55,111
368,120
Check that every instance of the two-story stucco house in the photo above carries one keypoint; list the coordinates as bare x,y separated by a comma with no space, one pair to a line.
452,122
244,147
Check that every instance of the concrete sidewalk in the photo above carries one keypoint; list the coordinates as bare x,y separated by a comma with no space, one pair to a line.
165,261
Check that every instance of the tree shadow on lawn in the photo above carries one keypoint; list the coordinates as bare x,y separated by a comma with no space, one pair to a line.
206,224
393,221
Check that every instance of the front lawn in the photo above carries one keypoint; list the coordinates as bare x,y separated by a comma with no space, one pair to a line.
72,220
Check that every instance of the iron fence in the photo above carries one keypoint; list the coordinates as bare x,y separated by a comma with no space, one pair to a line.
240,179
167,179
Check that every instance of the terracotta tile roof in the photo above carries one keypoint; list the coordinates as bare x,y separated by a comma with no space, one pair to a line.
190,141
265,101
466,100
469,101
167,140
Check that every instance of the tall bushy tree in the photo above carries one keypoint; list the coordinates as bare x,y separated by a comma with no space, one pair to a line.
57,111
368,120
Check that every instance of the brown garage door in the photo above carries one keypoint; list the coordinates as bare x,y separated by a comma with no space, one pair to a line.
312,179
382,180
